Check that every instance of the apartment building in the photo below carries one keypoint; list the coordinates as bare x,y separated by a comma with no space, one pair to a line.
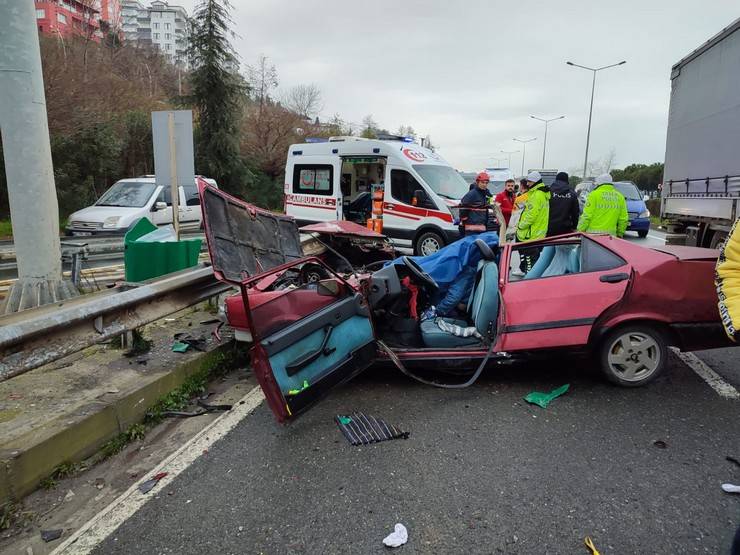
159,24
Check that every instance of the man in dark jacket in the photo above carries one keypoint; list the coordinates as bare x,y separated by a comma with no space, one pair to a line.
476,220
564,210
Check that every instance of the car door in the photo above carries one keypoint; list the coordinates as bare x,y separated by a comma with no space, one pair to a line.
189,208
557,302
309,338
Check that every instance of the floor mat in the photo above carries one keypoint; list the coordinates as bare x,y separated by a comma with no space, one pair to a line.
361,429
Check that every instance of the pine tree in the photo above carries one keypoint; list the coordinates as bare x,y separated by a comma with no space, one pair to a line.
217,94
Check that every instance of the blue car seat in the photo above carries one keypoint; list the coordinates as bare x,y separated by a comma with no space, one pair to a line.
482,312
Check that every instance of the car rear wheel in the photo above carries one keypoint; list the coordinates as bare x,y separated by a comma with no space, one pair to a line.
718,238
642,233
633,355
428,243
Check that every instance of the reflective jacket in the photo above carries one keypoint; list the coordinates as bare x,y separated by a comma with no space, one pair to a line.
605,212
533,221
727,280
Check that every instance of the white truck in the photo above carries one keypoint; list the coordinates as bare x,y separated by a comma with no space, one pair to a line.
701,179
335,180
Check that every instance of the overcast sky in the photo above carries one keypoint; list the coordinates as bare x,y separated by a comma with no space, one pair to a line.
470,73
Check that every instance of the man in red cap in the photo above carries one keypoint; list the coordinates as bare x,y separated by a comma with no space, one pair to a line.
474,219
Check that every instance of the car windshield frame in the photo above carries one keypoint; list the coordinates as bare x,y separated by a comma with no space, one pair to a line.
434,176
128,194
619,185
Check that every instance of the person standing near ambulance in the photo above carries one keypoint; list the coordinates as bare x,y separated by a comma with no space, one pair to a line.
605,210
505,200
473,211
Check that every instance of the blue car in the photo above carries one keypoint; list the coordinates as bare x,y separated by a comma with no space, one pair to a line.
638,213
636,210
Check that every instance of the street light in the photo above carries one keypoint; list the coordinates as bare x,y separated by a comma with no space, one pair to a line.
509,153
591,109
544,146
524,148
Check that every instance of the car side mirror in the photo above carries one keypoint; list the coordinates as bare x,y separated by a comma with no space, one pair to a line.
422,200
159,206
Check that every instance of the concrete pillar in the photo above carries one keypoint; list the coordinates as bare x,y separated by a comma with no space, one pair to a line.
30,175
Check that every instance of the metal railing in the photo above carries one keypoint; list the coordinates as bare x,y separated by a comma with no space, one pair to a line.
35,337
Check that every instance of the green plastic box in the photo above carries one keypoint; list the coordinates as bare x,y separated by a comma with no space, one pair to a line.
144,261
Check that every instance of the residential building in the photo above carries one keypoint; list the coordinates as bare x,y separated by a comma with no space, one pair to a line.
69,17
160,24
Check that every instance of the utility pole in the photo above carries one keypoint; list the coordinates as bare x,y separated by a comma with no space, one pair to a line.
509,153
544,146
524,148
591,108
28,167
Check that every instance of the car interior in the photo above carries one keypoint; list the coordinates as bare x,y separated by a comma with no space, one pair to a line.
395,288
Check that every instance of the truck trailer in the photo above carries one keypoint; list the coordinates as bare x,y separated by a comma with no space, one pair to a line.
701,179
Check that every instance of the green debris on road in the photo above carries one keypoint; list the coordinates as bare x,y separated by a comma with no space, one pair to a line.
544,399
180,347
345,420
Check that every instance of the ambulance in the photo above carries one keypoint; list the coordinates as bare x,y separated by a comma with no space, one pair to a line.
392,185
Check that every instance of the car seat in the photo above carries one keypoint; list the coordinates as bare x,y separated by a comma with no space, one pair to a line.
482,313
359,209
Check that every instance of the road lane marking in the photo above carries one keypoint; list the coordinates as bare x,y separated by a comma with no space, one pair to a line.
109,519
714,380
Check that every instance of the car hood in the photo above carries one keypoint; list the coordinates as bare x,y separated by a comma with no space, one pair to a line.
342,228
243,240
688,253
637,206
100,213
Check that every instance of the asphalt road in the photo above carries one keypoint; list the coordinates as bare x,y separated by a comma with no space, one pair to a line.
482,472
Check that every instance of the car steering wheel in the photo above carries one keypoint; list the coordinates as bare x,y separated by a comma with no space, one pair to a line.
420,274
485,251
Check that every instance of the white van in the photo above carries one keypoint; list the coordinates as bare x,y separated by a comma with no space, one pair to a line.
129,200
333,180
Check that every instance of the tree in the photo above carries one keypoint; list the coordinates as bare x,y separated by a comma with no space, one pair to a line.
262,78
369,127
217,94
304,100
646,177
406,131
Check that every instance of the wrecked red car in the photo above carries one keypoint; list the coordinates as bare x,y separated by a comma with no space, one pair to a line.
589,294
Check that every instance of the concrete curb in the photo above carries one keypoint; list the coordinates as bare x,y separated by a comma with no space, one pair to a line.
35,456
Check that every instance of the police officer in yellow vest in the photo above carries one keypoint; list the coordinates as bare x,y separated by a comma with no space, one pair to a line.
605,210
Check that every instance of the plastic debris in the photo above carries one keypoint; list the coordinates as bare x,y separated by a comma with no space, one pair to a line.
660,444
51,535
733,460
544,399
297,391
196,342
591,546
731,488
180,347
360,429
146,487
398,537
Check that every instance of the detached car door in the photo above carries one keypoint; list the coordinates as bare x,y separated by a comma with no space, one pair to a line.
307,338
556,303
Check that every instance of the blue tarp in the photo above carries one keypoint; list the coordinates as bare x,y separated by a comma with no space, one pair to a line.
447,263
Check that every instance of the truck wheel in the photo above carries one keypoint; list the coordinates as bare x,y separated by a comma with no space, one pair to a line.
718,238
428,243
642,233
633,355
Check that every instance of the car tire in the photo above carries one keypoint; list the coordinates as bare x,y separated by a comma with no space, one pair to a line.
633,355
428,243
642,233
718,238
311,273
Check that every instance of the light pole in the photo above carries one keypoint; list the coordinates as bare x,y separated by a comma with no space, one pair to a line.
524,148
544,146
591,109
509,153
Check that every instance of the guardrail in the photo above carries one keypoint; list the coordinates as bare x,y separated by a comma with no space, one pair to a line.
35,337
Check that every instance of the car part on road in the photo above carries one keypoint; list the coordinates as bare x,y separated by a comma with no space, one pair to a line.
402,368
51,535
660,444
590,544
543,399
733,460
730,488
146,487
360,429
428,243
633,355
398,537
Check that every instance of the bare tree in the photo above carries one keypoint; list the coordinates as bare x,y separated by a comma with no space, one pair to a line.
406,131
262,79
304,100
